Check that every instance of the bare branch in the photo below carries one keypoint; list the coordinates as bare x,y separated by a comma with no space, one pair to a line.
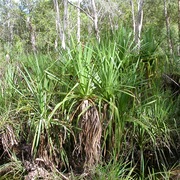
90,17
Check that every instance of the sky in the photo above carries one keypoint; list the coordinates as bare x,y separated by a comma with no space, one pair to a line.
16,1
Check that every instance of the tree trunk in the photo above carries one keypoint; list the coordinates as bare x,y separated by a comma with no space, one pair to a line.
32,34
9,23
65,19
179,27
133,16
59,30
78,22
139,20
95,18
167,19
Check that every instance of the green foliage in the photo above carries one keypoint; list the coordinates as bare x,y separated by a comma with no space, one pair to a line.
114,171
42,97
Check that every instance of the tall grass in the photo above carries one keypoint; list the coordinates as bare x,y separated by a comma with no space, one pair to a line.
96,107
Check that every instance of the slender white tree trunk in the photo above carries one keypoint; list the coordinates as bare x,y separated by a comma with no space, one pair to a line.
78,22
95,17
32,33
139,21
10,23
179,27
133,17
59,29
65,20
167,19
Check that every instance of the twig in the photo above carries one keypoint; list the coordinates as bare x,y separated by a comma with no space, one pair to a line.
62,175
172,80
90,17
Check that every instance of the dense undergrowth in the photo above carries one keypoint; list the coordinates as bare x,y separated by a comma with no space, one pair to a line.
95,111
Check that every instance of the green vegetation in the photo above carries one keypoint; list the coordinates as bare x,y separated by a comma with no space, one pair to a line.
95,110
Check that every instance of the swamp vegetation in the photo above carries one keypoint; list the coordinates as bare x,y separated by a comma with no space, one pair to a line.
96,109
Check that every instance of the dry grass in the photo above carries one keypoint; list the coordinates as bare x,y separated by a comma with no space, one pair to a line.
89,138
8,139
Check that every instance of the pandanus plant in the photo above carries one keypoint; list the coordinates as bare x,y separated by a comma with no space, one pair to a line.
87,146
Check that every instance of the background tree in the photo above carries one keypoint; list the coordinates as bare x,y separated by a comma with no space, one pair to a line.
65,20
167,20
95,18
59,29
8,21
179,27
137,21
78,21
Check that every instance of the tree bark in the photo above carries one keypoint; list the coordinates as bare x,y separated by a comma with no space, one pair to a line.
59,29
179,27
137,21
95,18
78,22
65,20
133,16
10,24
167,19
32,34
138,25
